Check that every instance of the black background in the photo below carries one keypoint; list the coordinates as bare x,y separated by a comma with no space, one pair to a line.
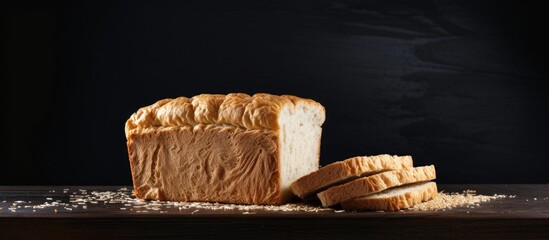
458,84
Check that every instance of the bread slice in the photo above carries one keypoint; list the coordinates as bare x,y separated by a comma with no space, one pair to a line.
394,199
231,148
375,183
349,169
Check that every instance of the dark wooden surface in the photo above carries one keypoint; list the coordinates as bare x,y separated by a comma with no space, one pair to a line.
523,216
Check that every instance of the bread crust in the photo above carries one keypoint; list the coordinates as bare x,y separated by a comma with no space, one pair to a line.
259,111
206,163
345,170
375,183
393,203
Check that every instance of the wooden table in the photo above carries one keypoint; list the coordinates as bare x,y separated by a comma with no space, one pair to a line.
524,216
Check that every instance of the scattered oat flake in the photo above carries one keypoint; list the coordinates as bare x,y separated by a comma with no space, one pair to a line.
467,198
125,199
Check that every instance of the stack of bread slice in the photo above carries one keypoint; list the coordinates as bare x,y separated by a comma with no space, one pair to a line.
381,182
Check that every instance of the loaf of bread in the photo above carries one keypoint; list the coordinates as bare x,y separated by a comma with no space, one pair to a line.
343,171
231,148
394,199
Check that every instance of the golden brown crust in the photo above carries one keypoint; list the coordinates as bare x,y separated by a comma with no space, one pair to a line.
375,183
206,163
407,199
351,168
259,111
